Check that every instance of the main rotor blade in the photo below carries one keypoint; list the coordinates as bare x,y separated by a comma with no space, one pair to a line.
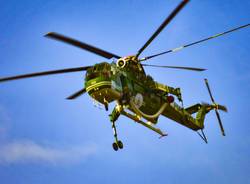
163,25
196,42
81,45
177,67
67,70
77,94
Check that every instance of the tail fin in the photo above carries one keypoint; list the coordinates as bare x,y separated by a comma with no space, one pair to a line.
215,106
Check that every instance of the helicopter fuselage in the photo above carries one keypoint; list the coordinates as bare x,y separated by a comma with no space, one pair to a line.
136,94
126,83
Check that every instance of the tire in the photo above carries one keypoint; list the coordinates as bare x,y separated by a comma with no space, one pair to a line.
115,146
120,144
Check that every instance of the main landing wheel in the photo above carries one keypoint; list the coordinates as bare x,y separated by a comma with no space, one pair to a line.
115,146
120,144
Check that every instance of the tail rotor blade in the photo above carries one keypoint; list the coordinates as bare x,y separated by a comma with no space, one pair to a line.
209,91
220,122
216,107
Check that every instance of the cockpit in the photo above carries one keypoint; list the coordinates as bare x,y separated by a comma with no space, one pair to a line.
99,70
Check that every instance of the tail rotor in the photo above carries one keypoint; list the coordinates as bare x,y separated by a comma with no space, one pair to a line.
216,107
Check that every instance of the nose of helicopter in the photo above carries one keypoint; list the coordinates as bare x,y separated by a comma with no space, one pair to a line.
98,83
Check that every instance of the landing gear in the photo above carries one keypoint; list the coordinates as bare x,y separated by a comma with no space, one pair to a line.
117,145
106,106
120,144
113,117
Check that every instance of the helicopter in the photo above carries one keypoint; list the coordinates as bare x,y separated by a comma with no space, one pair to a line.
137,95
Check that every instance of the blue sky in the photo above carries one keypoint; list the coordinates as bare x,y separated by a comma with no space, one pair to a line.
47,139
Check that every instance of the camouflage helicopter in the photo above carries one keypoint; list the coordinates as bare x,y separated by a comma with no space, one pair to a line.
136,94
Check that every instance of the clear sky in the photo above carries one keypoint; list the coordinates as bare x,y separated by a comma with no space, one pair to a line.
47,139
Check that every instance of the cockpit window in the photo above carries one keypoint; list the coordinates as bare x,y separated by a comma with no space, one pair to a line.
98,70
92,75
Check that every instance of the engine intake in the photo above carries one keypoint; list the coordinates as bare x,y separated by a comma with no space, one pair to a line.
121,63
